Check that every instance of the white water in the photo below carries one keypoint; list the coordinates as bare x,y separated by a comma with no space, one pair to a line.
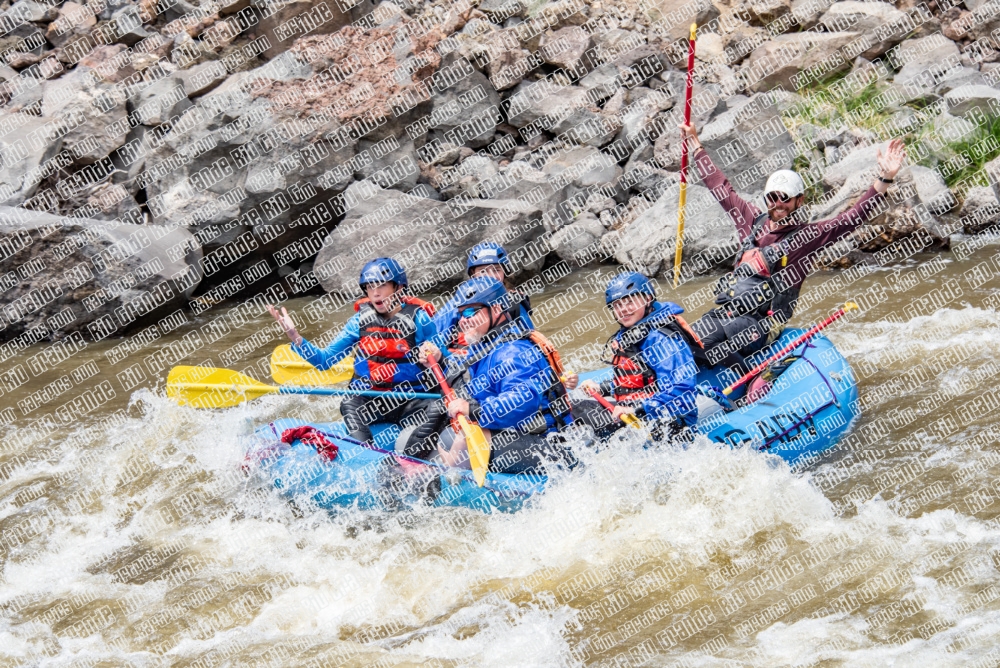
155,550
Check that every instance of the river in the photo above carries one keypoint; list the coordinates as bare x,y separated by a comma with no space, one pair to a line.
129,537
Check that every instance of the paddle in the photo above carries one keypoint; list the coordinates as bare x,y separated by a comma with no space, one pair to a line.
849,306
627,418
208,387
679,246
288,368
475,439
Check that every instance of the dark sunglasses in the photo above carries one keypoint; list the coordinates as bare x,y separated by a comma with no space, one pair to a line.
470,311
771,198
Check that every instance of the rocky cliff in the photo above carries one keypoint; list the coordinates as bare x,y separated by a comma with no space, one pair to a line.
245,147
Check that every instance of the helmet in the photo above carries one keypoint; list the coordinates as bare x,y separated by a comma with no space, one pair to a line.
486,253
381,270
629,283
484,290
785,181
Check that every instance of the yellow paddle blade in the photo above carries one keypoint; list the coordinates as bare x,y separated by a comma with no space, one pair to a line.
479,449
631,421
208,387
288,368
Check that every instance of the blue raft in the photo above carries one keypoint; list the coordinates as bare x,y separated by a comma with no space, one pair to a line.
810,406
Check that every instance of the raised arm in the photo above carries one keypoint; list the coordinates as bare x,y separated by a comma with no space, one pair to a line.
740,211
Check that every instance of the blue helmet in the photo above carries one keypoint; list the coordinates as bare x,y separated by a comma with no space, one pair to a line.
483,290
381,270
629,283
486,253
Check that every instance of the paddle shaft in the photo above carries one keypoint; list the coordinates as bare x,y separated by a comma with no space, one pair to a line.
323,391
679,245
790,347
630,420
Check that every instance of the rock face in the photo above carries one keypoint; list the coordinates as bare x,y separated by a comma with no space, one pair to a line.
647,243
71,275
430,238
279,133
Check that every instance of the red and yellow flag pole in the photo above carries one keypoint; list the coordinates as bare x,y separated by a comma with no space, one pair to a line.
679,247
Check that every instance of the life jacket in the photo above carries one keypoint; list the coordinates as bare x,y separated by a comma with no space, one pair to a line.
382,355
750,288
557,404
634,378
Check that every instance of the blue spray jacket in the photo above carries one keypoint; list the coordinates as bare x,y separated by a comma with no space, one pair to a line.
385,353
654,368
510,381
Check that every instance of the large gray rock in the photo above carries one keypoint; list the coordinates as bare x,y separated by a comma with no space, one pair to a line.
64,275
19,169
931,189
789,57
572,241
566,47
563,110
93,112
923,63
430,238
977,100
864,17
861,159
647,243
744,138
676,16
469,98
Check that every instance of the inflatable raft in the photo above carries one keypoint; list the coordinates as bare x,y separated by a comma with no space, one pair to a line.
809,407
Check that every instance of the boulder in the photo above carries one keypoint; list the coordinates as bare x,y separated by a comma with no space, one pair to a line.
19,171
748,142
93,112
570,242
430,238
860,160
566,47
930,188
647,243
159,102
980,100
469,98
980,210
865,17
676,16
923,63
65,275
562,110
788,58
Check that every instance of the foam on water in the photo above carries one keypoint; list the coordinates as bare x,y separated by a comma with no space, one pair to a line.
158,548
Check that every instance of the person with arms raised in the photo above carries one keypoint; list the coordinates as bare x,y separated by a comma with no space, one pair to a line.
777,247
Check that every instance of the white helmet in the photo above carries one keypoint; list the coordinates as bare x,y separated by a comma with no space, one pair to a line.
785,181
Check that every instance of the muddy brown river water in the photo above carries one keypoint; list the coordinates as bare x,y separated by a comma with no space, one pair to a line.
129,536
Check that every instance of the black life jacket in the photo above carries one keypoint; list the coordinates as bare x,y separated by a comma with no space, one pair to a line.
383,350
751,288
634,378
